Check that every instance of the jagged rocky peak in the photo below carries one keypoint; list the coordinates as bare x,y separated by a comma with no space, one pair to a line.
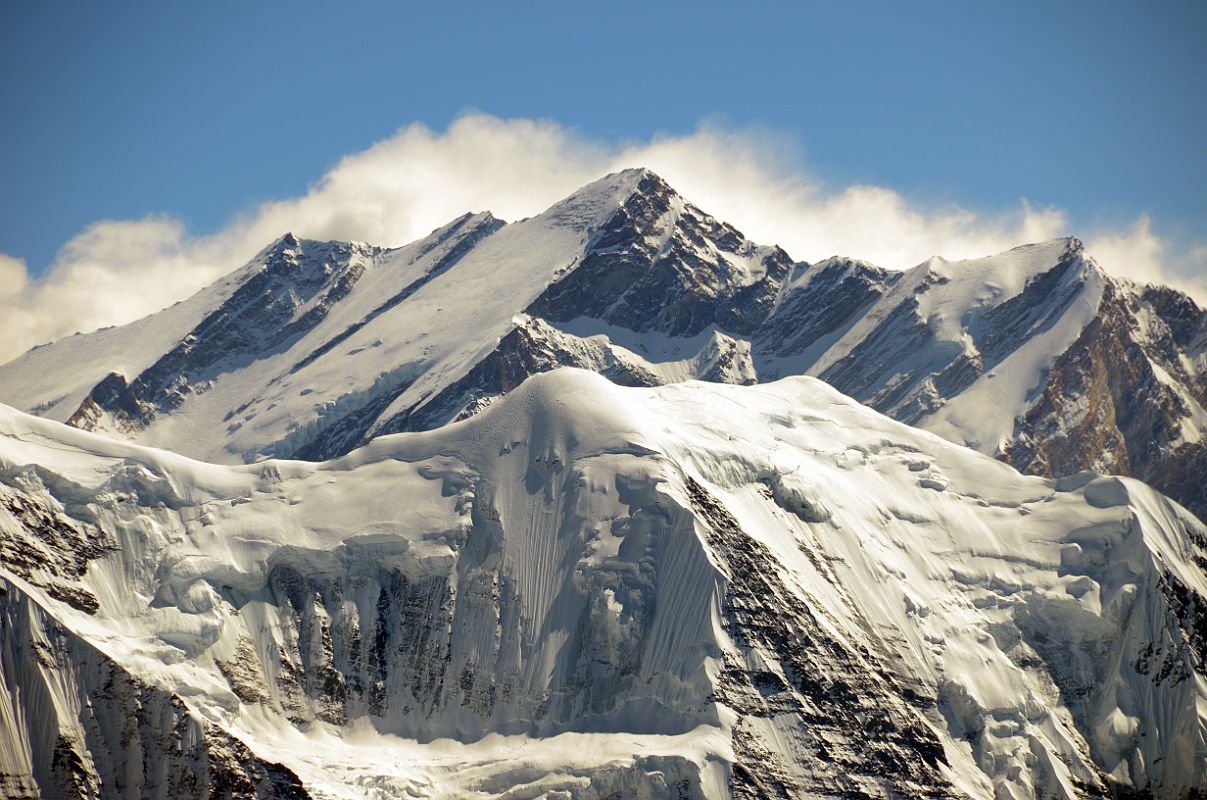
301,263
658,263
314,348
1183,318
287,241
316,258
1129,396
284,292
619,200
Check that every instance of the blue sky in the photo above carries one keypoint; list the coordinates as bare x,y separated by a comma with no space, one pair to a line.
202,111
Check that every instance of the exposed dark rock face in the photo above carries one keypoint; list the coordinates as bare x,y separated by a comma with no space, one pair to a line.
1180,475
83,710
812,316
860,731
454,655
345,662
660,264
528,350
295,286
1105,406
44,545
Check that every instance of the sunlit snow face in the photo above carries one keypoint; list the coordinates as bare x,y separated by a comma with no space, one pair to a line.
417,180
632,560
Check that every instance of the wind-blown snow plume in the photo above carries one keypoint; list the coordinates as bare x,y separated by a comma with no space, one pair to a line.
404,186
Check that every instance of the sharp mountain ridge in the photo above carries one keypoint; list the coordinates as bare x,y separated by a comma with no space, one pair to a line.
1035,356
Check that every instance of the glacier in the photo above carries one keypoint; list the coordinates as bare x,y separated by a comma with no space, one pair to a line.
585,590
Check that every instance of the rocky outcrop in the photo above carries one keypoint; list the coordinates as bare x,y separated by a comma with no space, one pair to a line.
91,729
859,729
294,287
537,347
660,264
41,543
1117,400
814,313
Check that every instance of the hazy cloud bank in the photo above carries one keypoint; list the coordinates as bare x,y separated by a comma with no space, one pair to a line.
401,188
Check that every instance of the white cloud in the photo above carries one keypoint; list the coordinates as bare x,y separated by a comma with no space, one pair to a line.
14,276
403,187
112,272
752,182
1134,253
1139,254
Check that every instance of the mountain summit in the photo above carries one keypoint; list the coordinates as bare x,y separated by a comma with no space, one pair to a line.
418,556
1035,356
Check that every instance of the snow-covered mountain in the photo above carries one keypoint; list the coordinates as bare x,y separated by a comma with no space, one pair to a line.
675,589
1035,356
593,591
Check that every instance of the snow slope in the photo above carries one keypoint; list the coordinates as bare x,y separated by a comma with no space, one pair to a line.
314,347
1034,356
584,590
371,322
